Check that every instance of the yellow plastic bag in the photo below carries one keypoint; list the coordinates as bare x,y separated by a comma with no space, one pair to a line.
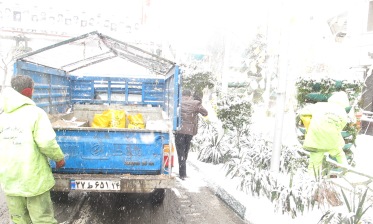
136,121
101,120
110,118
306,120
118,119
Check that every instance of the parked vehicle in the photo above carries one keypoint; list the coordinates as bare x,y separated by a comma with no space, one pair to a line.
107,158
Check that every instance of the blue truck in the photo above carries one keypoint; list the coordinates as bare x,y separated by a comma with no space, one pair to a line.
107,159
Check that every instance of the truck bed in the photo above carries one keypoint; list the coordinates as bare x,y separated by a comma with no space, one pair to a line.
82,116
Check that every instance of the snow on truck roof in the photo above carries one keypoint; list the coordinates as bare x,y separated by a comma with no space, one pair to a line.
98,54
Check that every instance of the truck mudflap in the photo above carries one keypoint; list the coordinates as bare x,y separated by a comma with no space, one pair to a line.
125,183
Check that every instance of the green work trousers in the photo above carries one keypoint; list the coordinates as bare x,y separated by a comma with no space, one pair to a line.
35,210
317,157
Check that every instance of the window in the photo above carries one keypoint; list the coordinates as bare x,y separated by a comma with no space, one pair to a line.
76,20
92,22
113,27
8,13
26,16
106,23
83,23
68,21
17,16
43,16
34,18
128,29
370,17
60,18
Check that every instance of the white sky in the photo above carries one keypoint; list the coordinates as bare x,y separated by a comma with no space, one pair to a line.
192,21
189,25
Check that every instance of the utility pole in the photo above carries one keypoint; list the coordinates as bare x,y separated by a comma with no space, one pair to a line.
281,91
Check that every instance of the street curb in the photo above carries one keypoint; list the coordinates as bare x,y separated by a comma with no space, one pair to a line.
224,195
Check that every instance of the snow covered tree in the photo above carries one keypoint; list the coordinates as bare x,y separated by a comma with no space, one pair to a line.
7,59
195,77
254,65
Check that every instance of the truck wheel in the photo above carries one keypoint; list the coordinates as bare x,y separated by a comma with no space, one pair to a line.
157,196
59,196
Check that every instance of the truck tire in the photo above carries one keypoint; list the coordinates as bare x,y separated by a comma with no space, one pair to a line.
157,196
60,196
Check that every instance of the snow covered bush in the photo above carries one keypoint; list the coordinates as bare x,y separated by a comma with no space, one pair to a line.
216,143
234,110
292,190
256,153
356,209
316,90
211,146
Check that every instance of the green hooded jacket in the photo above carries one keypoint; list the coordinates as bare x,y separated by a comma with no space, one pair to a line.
328,120
27,140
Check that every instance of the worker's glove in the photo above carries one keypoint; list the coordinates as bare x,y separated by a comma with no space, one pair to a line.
60,164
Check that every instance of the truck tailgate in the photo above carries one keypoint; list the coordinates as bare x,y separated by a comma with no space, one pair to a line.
115,151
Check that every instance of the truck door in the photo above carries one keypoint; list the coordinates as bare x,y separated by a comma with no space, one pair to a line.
172,96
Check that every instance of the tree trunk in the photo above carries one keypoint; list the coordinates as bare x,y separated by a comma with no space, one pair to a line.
4,78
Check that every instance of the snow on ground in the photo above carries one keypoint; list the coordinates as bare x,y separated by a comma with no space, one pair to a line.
364,154
256,210
3,209
261,210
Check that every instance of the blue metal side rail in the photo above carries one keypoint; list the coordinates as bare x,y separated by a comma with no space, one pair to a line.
117,90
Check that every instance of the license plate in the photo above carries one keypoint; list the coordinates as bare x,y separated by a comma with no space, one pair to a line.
95,185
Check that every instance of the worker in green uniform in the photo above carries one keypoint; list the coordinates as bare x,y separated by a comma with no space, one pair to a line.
323,134
27,140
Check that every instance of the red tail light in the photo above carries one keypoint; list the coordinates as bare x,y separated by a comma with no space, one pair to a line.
166,155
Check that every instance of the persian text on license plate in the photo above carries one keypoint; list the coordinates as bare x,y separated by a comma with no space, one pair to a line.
95,185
